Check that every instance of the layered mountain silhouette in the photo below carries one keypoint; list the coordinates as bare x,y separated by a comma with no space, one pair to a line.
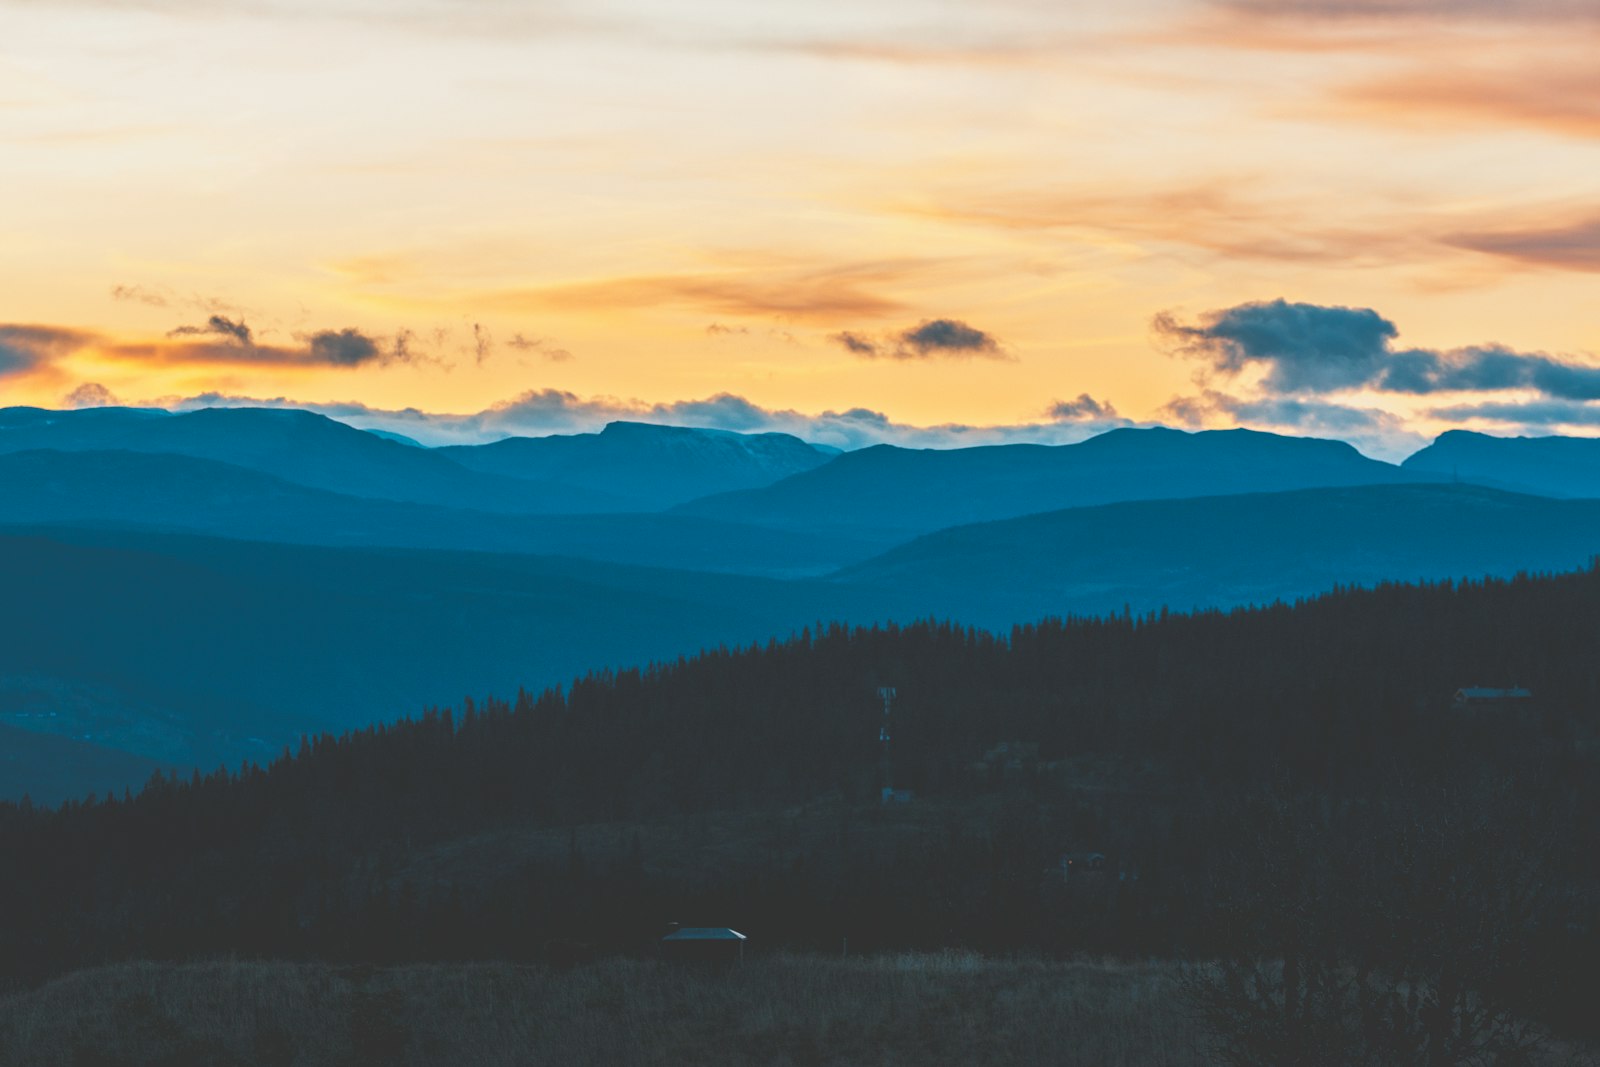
1227,551
194,589
298,446
184,493
199,651
626,467
651,466
48,768
1549,466
891,493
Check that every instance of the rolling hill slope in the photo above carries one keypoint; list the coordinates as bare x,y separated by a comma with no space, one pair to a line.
891,493
1548,466
297,446
183,493
652,466
195,651
1229,551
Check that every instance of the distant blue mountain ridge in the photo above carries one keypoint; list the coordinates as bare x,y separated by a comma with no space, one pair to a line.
201,588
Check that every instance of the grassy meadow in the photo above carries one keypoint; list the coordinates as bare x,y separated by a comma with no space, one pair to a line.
945,1008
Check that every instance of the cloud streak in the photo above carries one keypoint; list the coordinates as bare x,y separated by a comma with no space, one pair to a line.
1556,93
1522,11
822,294
1570,246
1537,415
540,345
28,349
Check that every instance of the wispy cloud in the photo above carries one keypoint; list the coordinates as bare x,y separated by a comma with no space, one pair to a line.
1235,218
1521,11
235,345
826,293
540,345
28,349
1555,93
1573,245
141,294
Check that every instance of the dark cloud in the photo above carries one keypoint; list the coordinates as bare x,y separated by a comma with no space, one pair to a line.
24,349
1308,348
344,348
855,344
946,337
1541,414
1488,369
90,395
929,339
1084,409
233,331
717,328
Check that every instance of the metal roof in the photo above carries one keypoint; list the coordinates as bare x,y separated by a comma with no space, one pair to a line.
705,933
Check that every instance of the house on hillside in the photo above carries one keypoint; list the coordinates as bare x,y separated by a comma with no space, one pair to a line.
1469,697
703,944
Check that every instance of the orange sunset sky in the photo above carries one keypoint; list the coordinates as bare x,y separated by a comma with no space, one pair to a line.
910,220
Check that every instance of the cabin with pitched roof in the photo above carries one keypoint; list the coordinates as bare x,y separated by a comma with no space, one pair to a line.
703,944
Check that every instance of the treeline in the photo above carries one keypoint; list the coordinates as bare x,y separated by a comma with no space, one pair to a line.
1284,776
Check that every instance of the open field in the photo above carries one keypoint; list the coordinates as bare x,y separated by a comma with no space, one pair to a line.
910,1009
951,1008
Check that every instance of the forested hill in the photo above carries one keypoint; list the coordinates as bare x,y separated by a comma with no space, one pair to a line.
1199,752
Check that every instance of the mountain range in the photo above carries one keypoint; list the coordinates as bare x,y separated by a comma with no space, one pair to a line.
1548,466
892,493
202,588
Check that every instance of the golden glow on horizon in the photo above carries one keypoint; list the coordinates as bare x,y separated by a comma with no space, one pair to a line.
667,202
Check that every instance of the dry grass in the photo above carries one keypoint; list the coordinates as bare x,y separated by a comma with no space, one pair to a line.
784,1010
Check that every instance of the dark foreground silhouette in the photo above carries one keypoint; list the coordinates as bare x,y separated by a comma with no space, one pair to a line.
1287,791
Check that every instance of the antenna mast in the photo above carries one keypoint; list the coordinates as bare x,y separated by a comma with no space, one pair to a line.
887,693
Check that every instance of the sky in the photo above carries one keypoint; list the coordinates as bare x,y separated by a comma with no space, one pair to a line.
920,221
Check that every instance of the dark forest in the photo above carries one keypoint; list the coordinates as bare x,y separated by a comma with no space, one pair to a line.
1289,783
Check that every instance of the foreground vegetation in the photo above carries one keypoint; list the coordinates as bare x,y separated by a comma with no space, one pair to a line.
1288,784
912,1009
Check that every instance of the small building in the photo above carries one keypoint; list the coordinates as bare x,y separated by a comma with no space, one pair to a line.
1478,696
703,944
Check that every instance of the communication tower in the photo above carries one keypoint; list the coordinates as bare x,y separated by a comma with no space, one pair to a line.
887,694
